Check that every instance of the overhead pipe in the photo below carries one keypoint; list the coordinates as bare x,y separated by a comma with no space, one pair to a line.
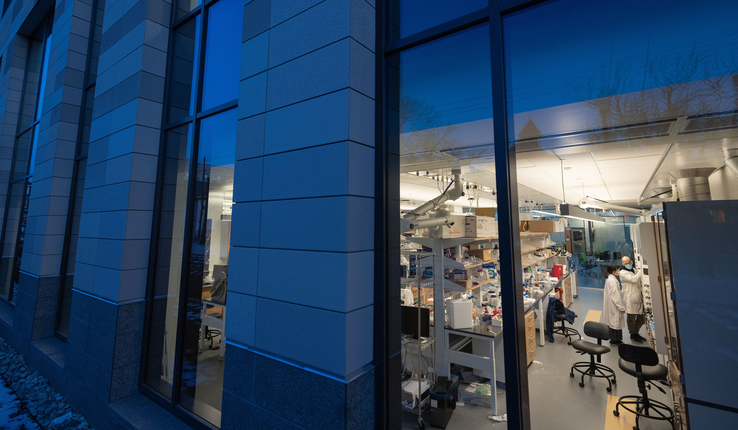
410,221
731,160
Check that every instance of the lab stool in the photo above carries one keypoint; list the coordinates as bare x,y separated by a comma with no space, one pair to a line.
564,330
643,363
600,332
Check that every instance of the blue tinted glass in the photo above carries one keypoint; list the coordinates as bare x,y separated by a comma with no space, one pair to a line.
445,101
44,70
222,53
557,54
208,264
411,16
39,110
447,81
218,140
183,74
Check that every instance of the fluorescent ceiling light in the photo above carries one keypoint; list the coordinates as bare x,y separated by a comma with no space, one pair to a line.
545,213
571,211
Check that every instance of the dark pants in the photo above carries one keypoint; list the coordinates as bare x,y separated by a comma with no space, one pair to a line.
616,335
635,322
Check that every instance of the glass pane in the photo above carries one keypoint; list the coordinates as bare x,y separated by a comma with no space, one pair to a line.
202,378
608,117
44,75
22,148
408,17
184,70
167,284
222,53
442,115
66,303
33,76
86,122
14,235
184,7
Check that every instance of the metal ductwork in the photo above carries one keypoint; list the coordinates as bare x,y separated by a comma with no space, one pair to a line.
731,160
693,184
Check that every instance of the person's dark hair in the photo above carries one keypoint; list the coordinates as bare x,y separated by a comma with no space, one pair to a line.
611,269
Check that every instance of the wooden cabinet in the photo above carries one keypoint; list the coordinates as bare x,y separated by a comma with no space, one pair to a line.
530,336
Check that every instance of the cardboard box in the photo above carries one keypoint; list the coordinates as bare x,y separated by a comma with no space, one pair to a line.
542,226
480,226
483,254
490,212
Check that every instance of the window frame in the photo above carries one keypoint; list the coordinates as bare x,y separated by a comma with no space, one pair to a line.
387,408
45,26
173,403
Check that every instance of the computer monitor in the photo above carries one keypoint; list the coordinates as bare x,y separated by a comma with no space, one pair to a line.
410,321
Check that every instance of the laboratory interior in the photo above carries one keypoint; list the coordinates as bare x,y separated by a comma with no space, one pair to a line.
624,145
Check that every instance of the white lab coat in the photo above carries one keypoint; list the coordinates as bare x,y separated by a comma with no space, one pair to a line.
632,291
613,304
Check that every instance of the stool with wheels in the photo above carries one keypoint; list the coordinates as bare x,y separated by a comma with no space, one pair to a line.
563,329
591,368
643,363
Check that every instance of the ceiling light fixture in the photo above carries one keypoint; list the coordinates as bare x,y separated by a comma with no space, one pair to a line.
571,211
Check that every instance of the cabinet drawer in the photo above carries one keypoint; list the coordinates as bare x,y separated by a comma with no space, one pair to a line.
531,355
530,342
530,317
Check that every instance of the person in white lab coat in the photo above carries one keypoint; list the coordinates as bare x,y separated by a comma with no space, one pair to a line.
613,307
630,278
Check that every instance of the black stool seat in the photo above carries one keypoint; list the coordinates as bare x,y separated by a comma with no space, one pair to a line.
593,369
589,347
650,373
560,317
643,363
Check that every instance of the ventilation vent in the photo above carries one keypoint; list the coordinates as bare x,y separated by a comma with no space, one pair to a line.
591,137
720,121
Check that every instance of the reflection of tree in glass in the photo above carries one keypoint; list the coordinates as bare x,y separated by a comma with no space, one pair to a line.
662,87
424,133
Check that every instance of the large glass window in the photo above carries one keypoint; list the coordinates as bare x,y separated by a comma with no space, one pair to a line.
606,118
443,111
24,157
184,361
615,111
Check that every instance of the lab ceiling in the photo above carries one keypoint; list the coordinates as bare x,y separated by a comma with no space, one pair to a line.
623,159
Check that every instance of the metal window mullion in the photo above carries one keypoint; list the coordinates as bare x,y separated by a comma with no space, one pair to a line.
218,109
187,18
516,369
436,32
510,6
180,122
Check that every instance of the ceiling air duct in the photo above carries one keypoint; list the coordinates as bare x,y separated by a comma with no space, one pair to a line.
731,160
692,184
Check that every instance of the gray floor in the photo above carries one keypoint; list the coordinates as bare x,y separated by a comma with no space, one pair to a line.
556,400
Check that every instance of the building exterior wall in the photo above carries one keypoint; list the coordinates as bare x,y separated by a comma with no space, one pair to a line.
304,194
304,188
